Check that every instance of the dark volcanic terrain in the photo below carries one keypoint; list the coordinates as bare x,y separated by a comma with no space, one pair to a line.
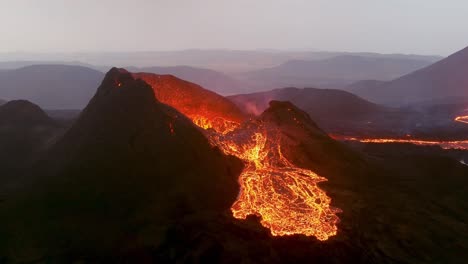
135,180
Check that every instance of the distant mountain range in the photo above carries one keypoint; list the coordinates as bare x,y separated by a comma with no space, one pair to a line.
228,61
51,86
46,79
439,81
336,72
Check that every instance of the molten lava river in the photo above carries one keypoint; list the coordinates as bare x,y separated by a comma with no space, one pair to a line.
286,197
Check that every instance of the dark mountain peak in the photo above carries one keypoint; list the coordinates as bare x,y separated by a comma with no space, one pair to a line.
146,149
120,90
23,112
285,113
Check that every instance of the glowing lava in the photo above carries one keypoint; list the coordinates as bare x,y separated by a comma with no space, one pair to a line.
458,144
462,119
286,197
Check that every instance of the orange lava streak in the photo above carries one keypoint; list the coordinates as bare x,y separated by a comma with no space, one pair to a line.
219,124
462,119
286,197
460,144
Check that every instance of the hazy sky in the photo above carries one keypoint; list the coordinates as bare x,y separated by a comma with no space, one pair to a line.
387,26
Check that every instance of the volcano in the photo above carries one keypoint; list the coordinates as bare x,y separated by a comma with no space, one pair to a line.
138,180
127,167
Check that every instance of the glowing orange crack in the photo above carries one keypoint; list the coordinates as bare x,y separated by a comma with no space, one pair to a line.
455,144
462,119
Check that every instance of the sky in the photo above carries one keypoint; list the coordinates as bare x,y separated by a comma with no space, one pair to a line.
432,27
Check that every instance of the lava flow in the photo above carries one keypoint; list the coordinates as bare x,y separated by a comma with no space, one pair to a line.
462,119
456,144
286,197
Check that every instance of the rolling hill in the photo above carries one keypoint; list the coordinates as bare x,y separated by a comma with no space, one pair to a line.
51,86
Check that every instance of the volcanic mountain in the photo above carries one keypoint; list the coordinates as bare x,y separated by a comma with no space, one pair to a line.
205,108
443,79
127,167
51,86
25,131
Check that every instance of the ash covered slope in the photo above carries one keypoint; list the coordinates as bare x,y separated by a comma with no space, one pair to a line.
443,79
191,99
129,166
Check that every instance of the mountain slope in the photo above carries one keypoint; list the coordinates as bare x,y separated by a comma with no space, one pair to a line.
364,84
212,80
129,166
202,106
446,78
51,86
334,72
